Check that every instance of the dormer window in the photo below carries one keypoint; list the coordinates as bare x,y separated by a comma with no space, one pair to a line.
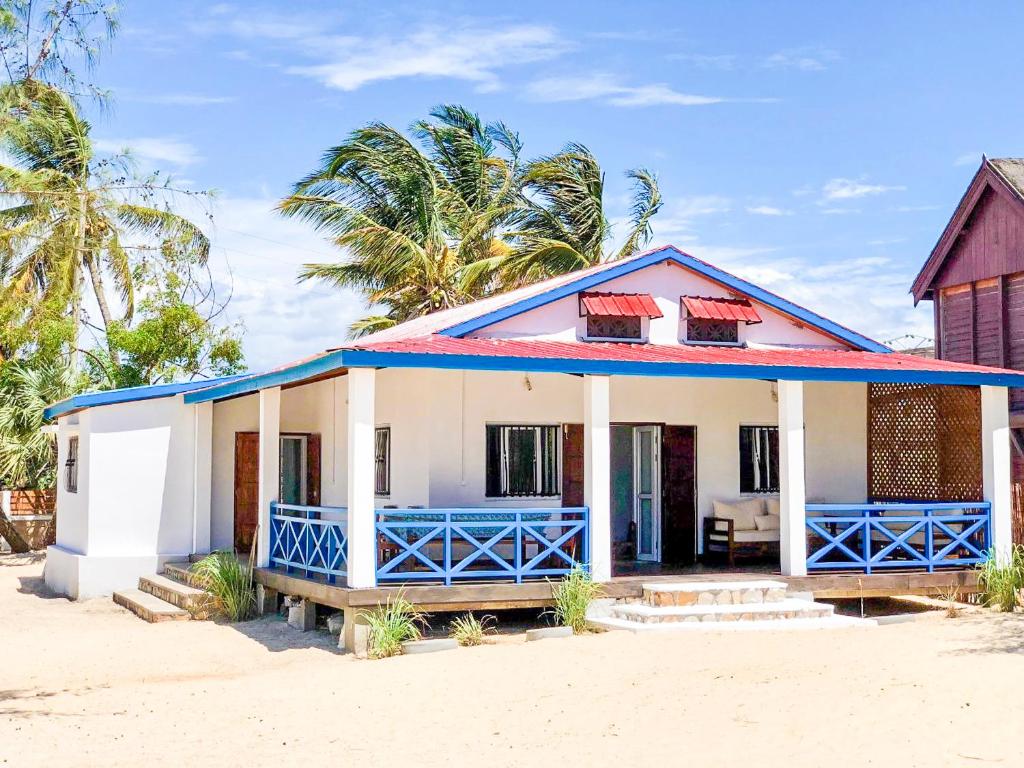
617,316
715,320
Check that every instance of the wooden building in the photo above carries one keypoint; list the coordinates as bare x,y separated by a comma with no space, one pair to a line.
975,279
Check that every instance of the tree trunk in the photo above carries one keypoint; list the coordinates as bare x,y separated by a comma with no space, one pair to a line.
101,300
9,532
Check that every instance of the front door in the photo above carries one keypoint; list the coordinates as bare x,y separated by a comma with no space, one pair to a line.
646,493
293,470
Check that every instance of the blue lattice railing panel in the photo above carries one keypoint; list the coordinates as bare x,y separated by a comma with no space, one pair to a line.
309,539
868,537
447,545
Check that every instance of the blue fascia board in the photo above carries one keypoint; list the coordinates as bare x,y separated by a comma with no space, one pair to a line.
130,395
315,367
370,359
670,253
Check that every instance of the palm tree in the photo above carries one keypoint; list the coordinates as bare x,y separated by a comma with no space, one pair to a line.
422,221
563,226
68,214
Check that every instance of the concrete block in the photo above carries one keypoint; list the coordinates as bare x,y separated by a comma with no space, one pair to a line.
355,633
266,600
335,622
545,633
302,616
429,646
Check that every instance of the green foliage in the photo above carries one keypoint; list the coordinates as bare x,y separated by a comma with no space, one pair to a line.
392,624
27,454
452,215
230,582
573,595
469,630
1001,583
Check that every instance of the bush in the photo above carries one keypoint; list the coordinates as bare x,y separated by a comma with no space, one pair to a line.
230,582
573,596
1001,583
469,630
392,624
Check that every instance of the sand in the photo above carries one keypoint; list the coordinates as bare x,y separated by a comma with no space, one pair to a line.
89,684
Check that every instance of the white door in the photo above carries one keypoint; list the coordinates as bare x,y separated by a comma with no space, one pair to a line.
647,493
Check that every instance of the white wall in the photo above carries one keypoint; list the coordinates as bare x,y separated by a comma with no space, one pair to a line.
666,282
73,508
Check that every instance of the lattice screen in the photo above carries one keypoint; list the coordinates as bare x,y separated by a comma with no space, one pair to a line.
924,443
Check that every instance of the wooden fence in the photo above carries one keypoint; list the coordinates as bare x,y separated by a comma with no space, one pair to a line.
1018,513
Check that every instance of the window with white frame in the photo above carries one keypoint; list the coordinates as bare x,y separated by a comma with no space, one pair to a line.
71,466
759,459
382,461
523,460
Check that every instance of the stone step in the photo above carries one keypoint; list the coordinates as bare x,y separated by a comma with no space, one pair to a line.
182,573
149,607
198,602
834,621
683,593
788,608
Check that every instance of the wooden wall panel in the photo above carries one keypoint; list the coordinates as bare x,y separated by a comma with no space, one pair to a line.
988,347
957,323
991,243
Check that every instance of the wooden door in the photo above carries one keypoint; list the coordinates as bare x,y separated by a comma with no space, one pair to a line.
247,488
678,494
572,465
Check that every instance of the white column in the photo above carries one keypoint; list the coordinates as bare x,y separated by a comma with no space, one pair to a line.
597,473
793,495
203,474
270,467
995,453
362,548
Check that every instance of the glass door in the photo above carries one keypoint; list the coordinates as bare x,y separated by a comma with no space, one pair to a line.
647,493
293,469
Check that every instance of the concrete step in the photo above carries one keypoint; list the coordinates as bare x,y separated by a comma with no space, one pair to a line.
787,608
149,607
830,622
182,573
685,593
198,602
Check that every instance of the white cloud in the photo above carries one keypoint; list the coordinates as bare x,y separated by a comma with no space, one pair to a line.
968,158
807,59
611,90
768,210
180,99
839,211
853,189
152,149
725,61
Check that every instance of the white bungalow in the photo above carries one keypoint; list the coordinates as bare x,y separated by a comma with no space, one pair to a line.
637,417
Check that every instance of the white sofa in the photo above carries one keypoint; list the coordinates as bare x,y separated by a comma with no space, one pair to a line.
749,527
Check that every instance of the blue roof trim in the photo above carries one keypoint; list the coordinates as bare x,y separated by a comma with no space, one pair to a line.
315,367
129,395
369,359
669,253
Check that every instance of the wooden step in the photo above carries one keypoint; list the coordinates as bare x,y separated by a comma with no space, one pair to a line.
149,607
198,602
789,608
684,593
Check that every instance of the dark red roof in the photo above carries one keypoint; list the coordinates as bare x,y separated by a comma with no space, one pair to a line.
708,308
675,353
618,305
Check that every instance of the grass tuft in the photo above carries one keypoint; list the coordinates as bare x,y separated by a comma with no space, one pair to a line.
469,630
573,596
1001,583
230,582
392,624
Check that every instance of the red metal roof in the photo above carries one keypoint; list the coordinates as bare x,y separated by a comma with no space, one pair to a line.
709,308
618,304
671,353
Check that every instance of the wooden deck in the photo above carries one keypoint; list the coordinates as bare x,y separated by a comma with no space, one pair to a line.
536,594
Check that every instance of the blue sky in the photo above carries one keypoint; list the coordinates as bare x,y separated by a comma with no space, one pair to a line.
815,148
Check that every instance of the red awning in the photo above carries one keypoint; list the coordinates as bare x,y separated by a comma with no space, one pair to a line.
618,305
707,308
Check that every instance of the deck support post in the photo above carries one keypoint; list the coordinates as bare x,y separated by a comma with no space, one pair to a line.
597,473
792,488
362,536
203,477
996,473
355,633
270,467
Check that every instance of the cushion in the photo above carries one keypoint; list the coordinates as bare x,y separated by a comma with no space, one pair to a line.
771,505
748,537
767,522
742,513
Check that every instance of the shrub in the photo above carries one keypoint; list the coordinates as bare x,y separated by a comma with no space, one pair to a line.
469,630
573,596
230,582
392,624
1001,583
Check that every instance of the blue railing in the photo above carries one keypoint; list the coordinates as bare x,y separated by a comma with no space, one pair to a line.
870,537
447,545
302,539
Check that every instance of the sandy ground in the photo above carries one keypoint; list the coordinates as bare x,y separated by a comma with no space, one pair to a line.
90,684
